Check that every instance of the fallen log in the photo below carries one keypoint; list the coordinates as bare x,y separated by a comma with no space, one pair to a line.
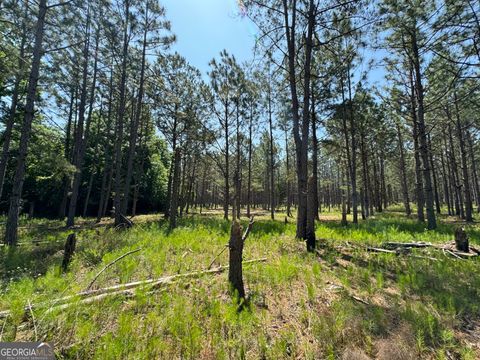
391,244
122,288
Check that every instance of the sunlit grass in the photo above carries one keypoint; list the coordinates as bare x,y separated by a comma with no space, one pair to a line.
302,306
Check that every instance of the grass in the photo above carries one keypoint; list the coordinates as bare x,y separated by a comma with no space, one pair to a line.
301,305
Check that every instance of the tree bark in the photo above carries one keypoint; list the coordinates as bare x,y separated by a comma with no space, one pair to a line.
136,120
403,172
463,156
310,231
235,275
315,159
11,235
81,138
120,118
175,189
431,220
272,165
474,168
7,133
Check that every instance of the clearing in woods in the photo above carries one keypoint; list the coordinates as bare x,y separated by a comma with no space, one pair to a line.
343,301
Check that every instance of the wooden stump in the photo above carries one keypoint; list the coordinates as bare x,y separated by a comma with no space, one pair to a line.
461,240
235,276
69,250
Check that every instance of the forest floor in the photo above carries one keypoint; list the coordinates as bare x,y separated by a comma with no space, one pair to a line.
341,302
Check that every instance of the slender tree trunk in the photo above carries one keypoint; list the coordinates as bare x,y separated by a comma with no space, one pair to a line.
434,176
238,170
136,120
300,132
446,184
431,220
353,165
81,137
175,189
226,194
289,199
7,133
67,180
456,178
310,216
463,156
108,166
383,186
120,118
19,177
314,159
474,169
403,173
420,195
249,180
272,165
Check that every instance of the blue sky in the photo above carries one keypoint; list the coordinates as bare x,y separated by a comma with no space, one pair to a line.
206,27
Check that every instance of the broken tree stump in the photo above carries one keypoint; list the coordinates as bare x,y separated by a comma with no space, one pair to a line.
69,250
235,271
235,276
461,240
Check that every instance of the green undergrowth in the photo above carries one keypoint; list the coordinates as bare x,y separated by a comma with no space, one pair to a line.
337,304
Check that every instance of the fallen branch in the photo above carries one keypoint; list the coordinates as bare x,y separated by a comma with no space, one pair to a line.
94,295
110,264
216,256
379,250
406,245
247,231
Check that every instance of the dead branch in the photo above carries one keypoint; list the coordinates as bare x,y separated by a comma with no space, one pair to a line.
95,295
216,256
408,245
247,231
110,264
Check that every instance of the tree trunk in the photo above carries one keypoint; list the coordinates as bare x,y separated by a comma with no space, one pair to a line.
446,183
474,168
226,193
463,156
238,170
249,180
7,133
81,140
69,250
136,120
120,119
272,165
19,177
310,215
108,166
434,176
301,139
454,169
403,173
67,181
461,240
175,189
314,159
431,220
235,275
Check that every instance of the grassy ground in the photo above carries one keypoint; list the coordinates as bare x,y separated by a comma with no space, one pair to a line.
341,303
